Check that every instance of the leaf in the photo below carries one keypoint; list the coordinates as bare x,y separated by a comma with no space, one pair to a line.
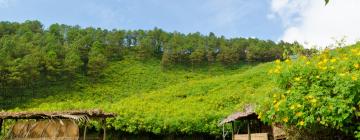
326,2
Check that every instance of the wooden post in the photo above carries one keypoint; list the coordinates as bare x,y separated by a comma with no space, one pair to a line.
232,130
104,127
4,124
249,133
223,131
1,123
85,130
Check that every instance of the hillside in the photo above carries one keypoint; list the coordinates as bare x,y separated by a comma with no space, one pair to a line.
148,99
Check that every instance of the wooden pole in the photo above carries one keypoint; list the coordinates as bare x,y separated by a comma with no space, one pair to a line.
249,133
1,123
104,127
4,124
232,130
85,130
223,132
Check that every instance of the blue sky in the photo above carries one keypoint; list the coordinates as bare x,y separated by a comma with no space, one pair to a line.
231,18
309,22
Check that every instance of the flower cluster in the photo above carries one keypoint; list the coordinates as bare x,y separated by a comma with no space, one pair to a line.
320,91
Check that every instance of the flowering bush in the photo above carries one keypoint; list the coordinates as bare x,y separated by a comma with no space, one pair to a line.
322,91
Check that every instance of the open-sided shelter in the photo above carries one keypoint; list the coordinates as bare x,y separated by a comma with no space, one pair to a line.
50,125
247,126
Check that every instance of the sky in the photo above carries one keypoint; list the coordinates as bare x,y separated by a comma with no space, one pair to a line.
309,22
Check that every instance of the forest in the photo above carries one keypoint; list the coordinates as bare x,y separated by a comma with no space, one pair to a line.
32,56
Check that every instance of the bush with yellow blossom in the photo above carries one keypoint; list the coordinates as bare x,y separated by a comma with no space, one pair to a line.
322,91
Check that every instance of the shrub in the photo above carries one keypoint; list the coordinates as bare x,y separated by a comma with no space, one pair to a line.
318,92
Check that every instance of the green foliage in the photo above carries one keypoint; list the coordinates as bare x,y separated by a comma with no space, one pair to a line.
56,51
319,92
144,76
149,100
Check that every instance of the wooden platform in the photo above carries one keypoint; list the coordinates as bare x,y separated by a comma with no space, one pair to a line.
254,136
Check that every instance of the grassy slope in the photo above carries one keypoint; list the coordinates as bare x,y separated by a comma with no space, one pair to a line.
148,99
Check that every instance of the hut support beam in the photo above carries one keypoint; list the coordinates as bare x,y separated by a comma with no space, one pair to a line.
104,127
248,127
85,130
232,130
1,123
4,127
223,131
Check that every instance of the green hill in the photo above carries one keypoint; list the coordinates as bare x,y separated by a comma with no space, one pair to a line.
157,82
148,99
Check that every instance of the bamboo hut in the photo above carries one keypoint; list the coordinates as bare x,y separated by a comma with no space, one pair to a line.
246,126
50,125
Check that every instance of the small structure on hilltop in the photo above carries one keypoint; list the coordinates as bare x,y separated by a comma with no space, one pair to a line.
247,126
50,125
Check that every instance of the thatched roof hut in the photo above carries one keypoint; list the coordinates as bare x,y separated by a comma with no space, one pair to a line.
54,125
75,115
255,128
249,113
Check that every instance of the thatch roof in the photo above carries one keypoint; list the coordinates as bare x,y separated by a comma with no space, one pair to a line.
249,113
75,115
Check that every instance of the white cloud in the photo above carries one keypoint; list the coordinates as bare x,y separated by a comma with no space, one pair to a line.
312,22
276,5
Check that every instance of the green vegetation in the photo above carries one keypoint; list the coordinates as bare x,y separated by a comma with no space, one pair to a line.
172,83
158,82
33,57
318,93
148,100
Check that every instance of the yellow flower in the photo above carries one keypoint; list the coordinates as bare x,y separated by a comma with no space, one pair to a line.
308,63
292,107
277,61
324,68
301,123
331,107
298,114
276,71
354,50
282,96
303,57
274,101
313,100
309,97
276,106
320,63
333,60
260,115
297,79
356,66
325,60
287,61
298,106
354,78
286,119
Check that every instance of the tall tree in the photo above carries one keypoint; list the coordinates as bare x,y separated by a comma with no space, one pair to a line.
97,60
